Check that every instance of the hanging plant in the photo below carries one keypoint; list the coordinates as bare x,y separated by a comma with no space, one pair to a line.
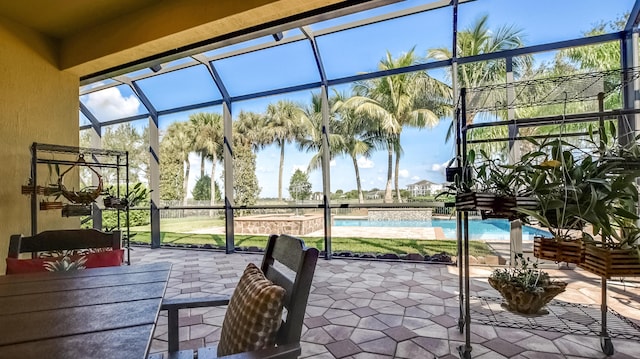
525,288
86,195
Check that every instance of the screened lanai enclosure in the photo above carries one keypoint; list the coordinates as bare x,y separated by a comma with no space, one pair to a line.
341,125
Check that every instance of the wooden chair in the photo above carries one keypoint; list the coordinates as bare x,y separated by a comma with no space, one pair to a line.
64,239
283,249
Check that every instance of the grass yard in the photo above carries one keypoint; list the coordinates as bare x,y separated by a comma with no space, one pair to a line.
356,245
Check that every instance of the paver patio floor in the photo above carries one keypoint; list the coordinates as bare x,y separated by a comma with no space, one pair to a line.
366,309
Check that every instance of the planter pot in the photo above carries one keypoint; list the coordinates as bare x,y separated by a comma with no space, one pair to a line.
466,201
493,206
519,301
472,201
558,250
30,190
50,205
452,172
114,202
74,210
507,207
621,165
610,262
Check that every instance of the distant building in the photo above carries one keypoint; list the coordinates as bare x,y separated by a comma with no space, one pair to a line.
374,194
424,187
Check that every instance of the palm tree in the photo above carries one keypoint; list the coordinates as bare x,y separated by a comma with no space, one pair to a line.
353,129
208,140
398,101
283,124
248,129
180,137
311,140
479,39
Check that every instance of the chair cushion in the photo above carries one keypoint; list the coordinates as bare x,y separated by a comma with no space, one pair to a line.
93,260
254,314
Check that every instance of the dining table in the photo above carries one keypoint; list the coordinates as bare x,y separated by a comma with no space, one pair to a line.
108,312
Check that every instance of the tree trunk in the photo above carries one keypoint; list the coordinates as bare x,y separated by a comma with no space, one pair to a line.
186,181
359,186
202,159
213,185
396,175
388,198
280,171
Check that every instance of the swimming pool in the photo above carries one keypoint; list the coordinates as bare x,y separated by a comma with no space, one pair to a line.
489,229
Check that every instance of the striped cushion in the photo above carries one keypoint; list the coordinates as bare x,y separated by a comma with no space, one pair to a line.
254,314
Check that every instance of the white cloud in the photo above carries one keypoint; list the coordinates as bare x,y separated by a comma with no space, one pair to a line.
379,178
415,178
364,162
332,163
403,173
110,104
437,167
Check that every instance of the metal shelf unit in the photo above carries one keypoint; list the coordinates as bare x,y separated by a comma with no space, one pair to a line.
118,161
592,89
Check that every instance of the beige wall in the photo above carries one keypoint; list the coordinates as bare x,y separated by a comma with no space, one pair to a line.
38,103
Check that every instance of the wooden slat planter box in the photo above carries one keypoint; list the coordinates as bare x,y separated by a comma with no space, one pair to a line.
558,251
608,262
29,190
50,205
466,201
493,206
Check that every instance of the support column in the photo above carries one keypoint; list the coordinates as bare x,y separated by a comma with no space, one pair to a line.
628,125
154,161
326,174
228,177
514,156
95,141
154,179
96,211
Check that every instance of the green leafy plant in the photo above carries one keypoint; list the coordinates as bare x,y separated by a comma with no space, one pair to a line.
525,288
524,275
136,195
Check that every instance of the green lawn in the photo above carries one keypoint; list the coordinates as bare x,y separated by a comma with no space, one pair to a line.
356,245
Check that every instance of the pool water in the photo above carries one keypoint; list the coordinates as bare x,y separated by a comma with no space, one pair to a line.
486,230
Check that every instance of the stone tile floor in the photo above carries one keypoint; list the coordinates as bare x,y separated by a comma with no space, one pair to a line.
365,309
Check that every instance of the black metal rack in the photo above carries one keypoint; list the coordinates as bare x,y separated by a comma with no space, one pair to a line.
503,99
68,156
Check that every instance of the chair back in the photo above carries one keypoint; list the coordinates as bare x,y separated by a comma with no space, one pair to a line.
65,239
290,264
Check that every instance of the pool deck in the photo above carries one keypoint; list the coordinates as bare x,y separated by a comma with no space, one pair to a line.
385,310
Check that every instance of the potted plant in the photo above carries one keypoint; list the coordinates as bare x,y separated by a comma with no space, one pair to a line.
566,184
525,288
135,196
493,188
612,247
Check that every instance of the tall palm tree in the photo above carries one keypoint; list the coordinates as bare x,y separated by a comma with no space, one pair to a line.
248,129
283,124
353,129
312,138
398,101
181,138
479,39
207,129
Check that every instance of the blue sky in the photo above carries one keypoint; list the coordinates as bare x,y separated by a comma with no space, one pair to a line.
348,53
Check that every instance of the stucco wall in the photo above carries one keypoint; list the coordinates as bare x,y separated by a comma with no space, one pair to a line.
37,103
